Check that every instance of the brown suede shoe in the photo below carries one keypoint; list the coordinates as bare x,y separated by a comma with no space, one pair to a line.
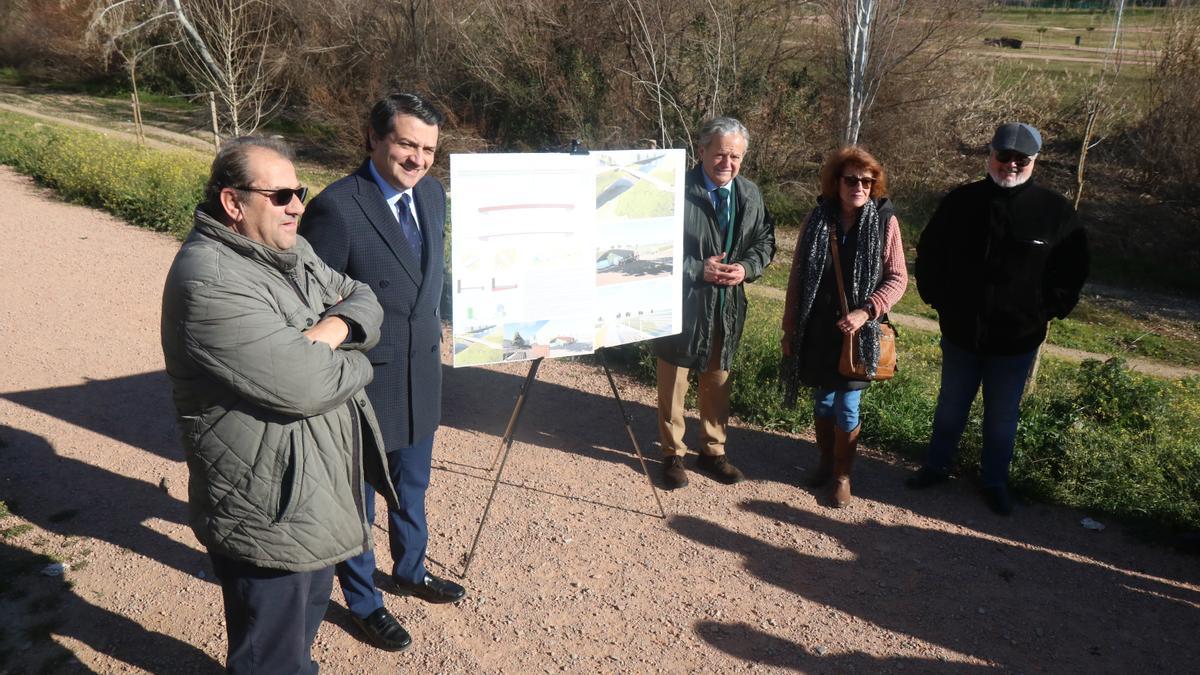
720,468
674,474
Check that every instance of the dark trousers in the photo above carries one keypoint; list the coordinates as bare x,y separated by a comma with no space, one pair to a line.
271,616
408,533
1003,381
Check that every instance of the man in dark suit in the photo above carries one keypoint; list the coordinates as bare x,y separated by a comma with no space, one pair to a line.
383,225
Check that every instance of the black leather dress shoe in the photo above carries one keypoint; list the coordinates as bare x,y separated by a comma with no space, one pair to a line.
383,630
432,589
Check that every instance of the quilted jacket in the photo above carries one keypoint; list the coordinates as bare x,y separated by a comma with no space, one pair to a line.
277,430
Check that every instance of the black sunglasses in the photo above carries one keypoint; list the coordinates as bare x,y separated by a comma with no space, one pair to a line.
1009,156
280,197
851,181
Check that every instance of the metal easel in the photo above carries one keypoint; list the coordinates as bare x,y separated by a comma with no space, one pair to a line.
506,441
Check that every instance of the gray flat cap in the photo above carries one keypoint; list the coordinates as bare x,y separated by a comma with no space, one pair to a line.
1018,137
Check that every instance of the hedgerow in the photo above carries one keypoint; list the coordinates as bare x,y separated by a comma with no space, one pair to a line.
155,189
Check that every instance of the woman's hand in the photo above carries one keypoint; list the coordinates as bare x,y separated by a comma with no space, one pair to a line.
785,345
852,321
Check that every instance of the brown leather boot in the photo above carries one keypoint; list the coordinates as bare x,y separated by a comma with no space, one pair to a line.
823,426
845,446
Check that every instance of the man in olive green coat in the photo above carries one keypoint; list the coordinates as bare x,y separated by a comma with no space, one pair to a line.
264,345
728,241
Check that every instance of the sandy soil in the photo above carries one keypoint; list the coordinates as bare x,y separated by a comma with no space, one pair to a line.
576,572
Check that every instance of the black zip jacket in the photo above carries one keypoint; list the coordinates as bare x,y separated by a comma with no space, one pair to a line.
998,263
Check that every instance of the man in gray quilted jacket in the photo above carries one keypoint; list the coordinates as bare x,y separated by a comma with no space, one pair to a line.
265,348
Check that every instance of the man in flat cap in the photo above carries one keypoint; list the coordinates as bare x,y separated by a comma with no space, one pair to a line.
999,258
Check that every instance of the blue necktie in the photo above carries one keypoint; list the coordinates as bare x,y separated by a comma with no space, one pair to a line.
408,224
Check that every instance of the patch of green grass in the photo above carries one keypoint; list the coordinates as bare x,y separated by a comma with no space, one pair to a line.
912,304
776,274
1100,437
15,531
1093,435
297,128
1104,330
3,506
150,99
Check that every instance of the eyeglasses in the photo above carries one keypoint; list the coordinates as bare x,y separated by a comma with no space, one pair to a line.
851,181
280,197
1010,156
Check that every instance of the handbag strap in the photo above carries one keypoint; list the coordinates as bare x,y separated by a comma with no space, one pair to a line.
837,271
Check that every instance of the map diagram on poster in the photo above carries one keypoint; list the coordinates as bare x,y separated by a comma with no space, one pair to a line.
558,255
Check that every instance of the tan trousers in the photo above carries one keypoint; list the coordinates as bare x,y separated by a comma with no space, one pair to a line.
714,405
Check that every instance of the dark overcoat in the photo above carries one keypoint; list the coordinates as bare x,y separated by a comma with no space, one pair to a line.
351,228
753,247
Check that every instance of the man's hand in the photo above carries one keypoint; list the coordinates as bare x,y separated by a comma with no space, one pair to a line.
717,272
331,330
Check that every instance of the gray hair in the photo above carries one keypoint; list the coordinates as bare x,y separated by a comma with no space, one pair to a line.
720,126
231,167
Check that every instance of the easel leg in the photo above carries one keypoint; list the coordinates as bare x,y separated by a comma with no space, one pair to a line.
629,428
505,446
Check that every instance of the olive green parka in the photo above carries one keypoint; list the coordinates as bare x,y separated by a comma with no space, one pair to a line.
753,247
277,431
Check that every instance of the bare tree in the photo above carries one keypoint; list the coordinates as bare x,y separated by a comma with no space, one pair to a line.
1097,100
1165,137
650,46
857,19
881,40
130,30
234,48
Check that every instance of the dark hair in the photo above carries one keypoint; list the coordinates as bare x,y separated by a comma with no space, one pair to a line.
231,167
384,112
854,156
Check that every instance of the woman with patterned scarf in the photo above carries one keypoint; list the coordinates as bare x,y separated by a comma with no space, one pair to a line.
853,206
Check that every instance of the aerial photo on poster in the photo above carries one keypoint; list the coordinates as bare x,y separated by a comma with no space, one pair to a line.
557,255
639,240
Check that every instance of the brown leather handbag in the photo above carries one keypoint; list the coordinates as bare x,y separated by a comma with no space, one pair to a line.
850,365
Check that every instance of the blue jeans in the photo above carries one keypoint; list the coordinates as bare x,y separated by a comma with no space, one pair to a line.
839,404
1003,380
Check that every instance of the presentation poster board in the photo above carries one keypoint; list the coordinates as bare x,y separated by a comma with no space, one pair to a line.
558,255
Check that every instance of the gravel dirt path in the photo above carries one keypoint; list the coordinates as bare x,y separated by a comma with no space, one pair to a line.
575,571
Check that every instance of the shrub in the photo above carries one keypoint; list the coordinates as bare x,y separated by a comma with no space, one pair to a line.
155,189
1092,435
149,188
1100,437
